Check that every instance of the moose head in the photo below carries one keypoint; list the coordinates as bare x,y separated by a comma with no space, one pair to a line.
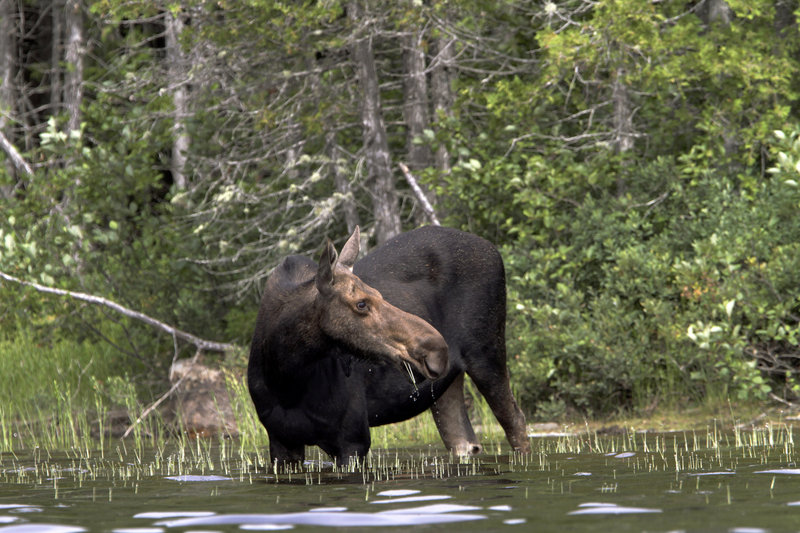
355,314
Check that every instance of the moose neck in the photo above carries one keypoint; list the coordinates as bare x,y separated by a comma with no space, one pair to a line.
296,344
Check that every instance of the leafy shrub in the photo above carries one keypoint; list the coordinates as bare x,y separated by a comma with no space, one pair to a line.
684,288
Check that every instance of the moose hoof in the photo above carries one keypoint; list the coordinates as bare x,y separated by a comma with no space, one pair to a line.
466,449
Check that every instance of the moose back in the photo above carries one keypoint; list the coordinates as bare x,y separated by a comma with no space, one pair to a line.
341,345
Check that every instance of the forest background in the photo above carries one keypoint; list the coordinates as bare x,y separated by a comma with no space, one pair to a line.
636,162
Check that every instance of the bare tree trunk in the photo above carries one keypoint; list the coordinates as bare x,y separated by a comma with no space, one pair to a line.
176,67
199,343
74,53
623,118
622,121
7,69
341,183
14,156
442,92
427,208
56,56
415,100
415,109
380,178
716,11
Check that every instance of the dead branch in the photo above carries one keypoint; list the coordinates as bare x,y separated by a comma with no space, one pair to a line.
200,344
14,155
160,400
420,194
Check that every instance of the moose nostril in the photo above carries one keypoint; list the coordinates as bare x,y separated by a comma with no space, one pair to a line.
433,371
432,354
436,362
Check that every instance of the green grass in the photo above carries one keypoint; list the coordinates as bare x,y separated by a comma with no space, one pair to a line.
62,396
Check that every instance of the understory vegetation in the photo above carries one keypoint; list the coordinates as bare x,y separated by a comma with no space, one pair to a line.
636,163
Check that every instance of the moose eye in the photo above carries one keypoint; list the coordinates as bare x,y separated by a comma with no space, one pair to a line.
361,305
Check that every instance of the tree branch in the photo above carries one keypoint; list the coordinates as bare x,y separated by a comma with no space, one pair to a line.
14,155
200,344
418,192
160,400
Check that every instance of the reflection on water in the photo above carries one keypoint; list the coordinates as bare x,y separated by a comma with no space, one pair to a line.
330,516
198,478
611,508
42,528
404,517
682,481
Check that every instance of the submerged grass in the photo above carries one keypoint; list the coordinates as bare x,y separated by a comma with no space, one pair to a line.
693,452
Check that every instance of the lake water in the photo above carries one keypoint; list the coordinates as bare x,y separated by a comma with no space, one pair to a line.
747,481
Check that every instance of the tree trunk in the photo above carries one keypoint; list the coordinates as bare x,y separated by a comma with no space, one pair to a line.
415,109
56,56
785,20
7,69
716,11
719,12
74,54
415,100
380,178
442,92
622,121
176,68
342,183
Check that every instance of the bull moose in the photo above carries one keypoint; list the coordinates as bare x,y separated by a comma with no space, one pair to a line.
332,340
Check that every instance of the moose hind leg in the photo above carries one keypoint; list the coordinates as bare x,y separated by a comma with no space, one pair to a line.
495,387
450,415
489,371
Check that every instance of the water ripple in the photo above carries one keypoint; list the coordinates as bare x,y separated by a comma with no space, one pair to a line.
41,528
335,519
610,508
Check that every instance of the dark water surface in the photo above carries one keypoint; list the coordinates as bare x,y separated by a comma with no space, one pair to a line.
687,481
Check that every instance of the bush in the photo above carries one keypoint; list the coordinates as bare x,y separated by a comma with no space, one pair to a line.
683,288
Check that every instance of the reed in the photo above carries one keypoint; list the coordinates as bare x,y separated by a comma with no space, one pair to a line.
63,395
129,461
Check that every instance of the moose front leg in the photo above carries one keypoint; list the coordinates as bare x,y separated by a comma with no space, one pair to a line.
281,454
348,440
450,415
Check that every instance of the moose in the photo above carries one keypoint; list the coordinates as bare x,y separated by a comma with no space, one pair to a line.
342,345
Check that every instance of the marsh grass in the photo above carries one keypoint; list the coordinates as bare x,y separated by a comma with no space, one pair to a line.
69,395
65,394
53,425
128,462
63,397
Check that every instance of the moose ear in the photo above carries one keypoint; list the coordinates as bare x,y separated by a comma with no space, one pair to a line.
327,264
350,250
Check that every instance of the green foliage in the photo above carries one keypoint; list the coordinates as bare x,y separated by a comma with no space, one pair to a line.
653,272
99,220
615,151
618,302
